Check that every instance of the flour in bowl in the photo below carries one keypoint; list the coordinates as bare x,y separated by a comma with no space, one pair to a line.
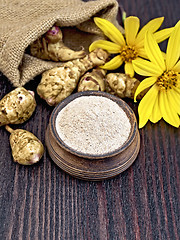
93,125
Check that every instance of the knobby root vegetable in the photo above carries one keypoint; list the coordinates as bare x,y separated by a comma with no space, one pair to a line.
27,149
58,83
122,85
17,106
94,80
51,47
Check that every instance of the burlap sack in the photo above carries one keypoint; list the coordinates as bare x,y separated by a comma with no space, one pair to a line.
23,21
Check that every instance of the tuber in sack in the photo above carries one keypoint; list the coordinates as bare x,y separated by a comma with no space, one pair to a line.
22,22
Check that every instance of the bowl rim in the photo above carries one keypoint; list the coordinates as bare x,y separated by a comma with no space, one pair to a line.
127,109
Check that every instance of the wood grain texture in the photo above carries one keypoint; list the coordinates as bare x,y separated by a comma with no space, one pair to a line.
43,202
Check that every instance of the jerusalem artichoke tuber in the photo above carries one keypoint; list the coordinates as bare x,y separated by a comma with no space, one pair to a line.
27,149
122,85
94,80
17,106
58,83
51,47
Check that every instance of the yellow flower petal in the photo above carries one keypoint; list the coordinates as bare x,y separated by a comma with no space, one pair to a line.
153,51
162,34
177,90
176,68
146,105
106,45
146,68
151,26
156,113
146,83
113,63
110,31
163,54
131,26
129,69
174,98
173,47
168,113
142,53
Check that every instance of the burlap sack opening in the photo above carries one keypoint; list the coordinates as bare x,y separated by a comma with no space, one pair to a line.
23,21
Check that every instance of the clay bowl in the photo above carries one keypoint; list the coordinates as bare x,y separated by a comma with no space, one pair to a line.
121,104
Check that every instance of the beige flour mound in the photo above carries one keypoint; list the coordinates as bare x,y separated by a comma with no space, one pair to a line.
93,125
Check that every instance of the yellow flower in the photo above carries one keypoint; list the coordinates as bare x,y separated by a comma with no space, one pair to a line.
130,46
163,98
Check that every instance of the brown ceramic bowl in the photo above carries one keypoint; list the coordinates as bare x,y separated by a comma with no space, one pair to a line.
129,112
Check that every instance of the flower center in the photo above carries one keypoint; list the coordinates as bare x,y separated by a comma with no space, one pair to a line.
167,80
128,53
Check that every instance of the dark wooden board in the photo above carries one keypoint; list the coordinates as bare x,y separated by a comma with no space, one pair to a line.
43,202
